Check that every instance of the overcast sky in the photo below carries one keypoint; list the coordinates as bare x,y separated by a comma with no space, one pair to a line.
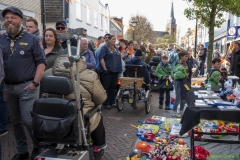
157,12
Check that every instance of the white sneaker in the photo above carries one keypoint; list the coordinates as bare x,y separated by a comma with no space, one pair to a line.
179,115
173,113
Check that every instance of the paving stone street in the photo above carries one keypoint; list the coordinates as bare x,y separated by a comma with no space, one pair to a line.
120,134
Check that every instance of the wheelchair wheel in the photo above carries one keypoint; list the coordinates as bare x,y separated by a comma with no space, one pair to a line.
120,104
119,100
148,102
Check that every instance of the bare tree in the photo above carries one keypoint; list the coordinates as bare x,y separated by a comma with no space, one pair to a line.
142,32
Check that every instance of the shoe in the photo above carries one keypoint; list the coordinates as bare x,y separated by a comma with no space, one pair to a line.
167,107
97,149
21,156
3,132
160,106
135,107
179,115
173,113
35,153
114,106
107,107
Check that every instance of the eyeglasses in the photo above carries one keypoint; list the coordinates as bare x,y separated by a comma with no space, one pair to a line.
62,28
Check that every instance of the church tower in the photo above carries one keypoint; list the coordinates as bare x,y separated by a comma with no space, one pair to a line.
171,27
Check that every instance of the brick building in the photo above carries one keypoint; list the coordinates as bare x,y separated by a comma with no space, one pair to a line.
30,8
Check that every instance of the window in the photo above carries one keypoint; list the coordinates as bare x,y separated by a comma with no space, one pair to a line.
95,19
101,21
106,23
78,10
88,14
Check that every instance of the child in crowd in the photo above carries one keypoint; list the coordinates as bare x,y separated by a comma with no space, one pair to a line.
214,74
163,72
182,85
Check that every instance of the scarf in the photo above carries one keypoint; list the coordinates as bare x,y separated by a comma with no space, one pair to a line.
130,51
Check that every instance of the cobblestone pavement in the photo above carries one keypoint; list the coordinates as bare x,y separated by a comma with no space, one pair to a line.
120,134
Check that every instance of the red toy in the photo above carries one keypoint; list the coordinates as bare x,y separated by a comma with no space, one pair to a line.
196,129
149,136
200,153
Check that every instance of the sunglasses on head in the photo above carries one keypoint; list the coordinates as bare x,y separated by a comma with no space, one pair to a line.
62,28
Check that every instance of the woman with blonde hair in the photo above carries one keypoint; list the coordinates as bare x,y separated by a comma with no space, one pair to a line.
111,66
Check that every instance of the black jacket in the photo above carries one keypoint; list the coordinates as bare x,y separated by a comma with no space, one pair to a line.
235,63
203,54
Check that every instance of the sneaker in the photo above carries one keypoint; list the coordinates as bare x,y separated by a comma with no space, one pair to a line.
107,107
97,149
179,115
114,106
21,156
173,113
160,106
3,132
167,107
35,152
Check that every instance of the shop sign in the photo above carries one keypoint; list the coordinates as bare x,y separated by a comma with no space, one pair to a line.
233,31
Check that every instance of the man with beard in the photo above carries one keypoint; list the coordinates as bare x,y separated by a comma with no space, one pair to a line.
24,64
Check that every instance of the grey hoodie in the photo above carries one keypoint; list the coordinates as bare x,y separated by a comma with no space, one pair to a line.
38,35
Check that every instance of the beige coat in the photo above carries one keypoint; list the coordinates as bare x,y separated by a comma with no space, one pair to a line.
92,90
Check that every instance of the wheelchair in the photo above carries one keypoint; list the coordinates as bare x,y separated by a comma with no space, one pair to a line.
155,60
134,91
58,123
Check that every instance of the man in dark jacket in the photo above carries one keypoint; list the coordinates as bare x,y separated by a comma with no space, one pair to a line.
235,61
137,60
61,28
202,58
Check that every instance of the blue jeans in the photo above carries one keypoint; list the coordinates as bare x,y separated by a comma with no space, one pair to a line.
20,103
202,62
3,111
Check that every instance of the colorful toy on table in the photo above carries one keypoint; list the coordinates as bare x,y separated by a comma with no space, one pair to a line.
200,153
153,121
196,83
147,137
153,127
217,129
143,146
135,154
236,93
196,135
227,90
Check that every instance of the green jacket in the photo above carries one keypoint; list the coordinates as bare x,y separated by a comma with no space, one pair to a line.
214,79
163,70
180,71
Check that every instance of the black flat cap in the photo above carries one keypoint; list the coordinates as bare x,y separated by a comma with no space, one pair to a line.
61,22
14,10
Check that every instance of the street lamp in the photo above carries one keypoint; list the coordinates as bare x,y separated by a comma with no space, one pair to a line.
133,24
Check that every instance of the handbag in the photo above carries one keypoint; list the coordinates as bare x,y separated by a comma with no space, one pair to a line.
166,85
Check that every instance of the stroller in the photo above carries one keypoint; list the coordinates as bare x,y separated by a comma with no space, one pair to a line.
195,70
153,78
58,123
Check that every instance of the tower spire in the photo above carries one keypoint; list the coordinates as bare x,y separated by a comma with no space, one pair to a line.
172,11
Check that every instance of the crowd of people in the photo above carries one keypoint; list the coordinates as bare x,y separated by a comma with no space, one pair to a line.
26,57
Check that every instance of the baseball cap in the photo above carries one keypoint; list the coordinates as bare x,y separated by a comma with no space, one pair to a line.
61,22
14,10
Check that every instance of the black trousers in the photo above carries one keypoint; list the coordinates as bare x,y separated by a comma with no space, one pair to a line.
190,75
98,135
109,80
